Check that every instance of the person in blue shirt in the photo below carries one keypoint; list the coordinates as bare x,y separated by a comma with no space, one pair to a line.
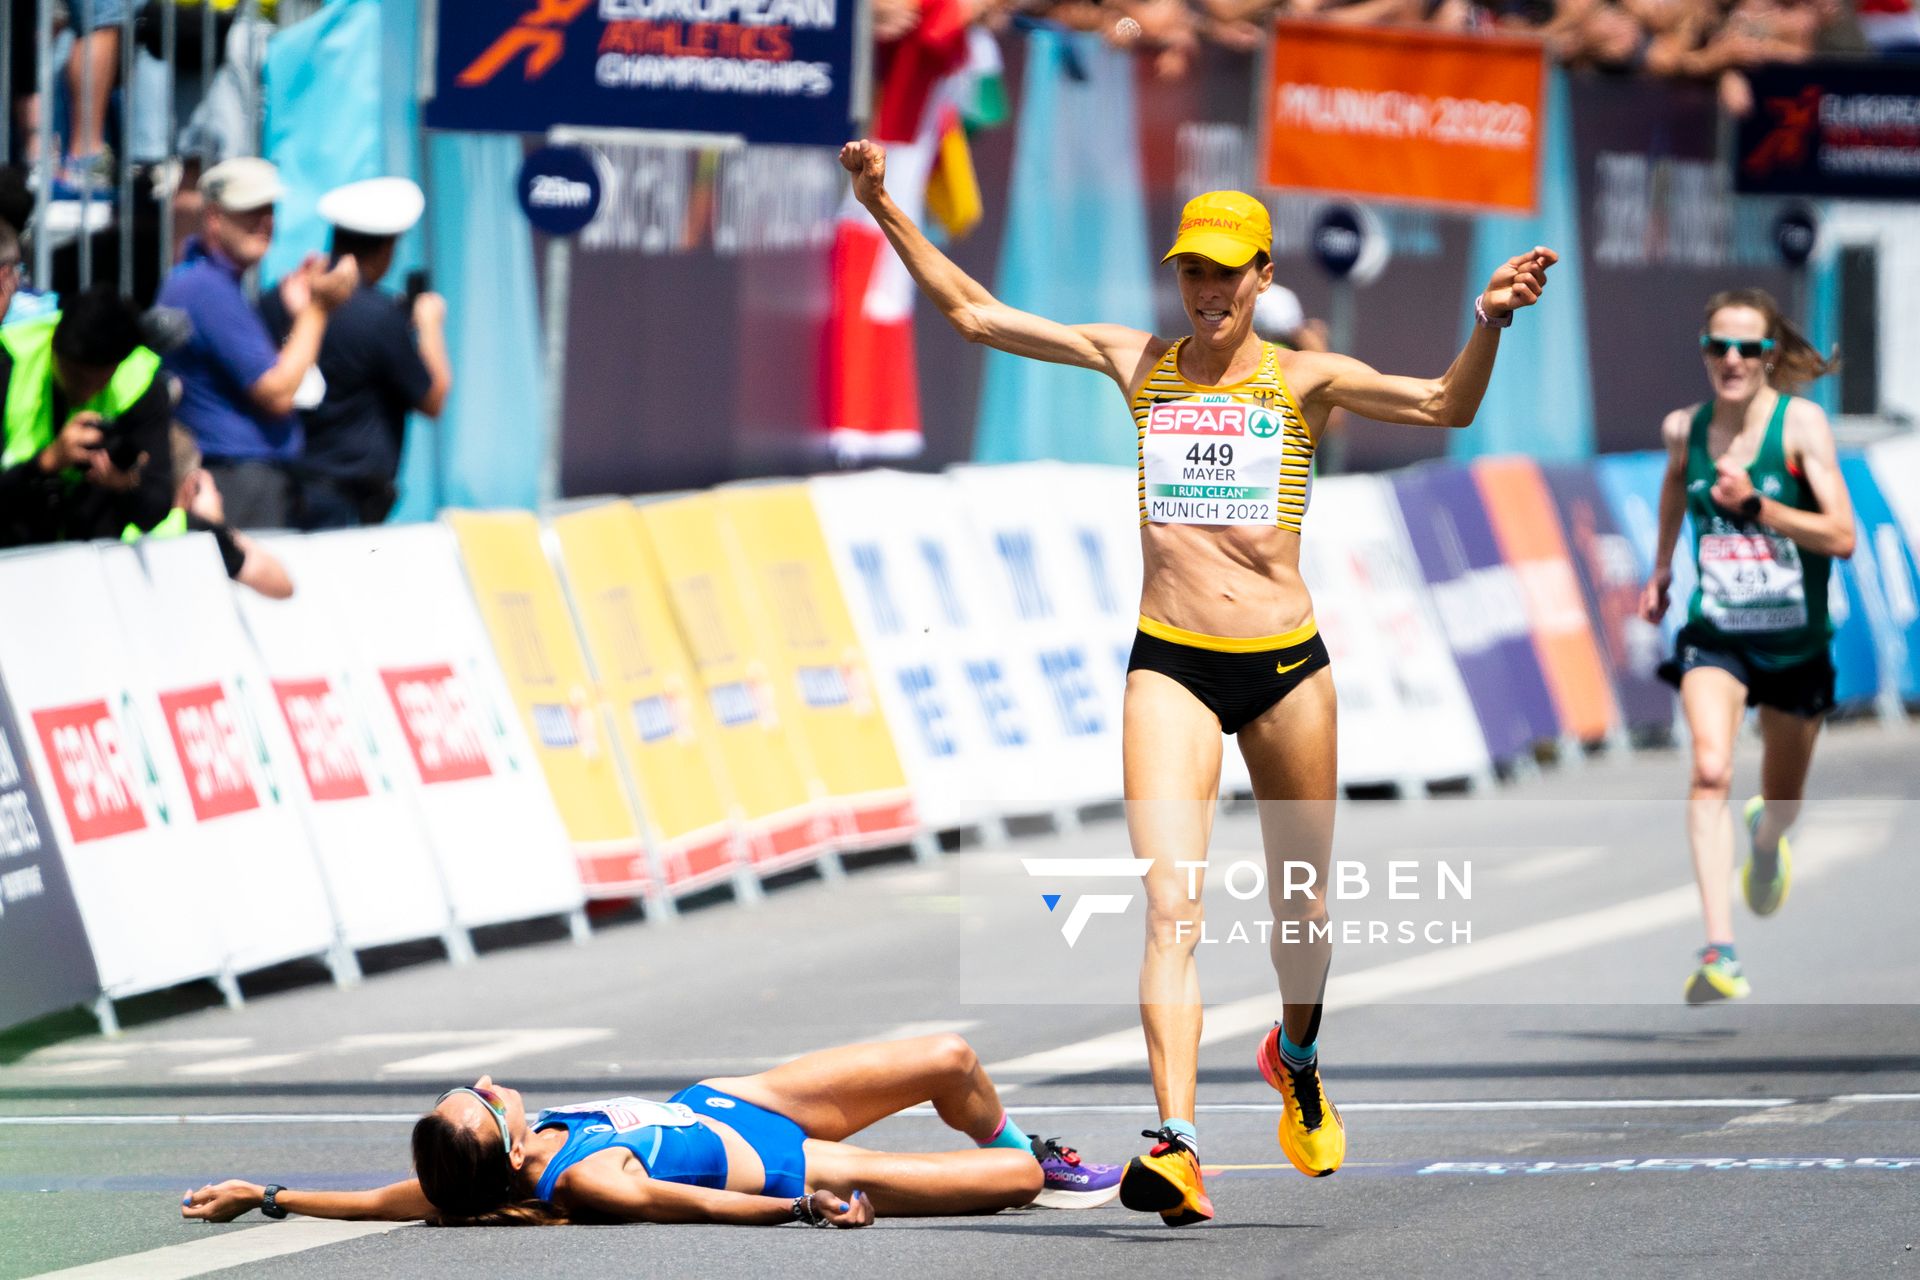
756,1150
238,388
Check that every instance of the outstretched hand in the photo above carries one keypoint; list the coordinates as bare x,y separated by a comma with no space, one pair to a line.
222,1201
1518,282
867,162
855,1211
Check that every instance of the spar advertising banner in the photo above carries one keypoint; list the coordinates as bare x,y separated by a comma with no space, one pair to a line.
764,70
1381,608
372,842
43,944
1482,612
978,701
665,728
1027,572
183,638
820,677
445,720
1398,114
151,899
785,815
1611,576
1520,509
539,652
1831,129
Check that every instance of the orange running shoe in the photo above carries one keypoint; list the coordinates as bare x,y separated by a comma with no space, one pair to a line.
1166,1181
1311,1133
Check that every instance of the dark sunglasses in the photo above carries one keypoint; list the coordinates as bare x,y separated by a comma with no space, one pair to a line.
492,1101
1749,348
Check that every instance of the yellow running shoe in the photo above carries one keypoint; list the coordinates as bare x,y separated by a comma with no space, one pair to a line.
1166,1181
1718,978
1311,1132
1764,897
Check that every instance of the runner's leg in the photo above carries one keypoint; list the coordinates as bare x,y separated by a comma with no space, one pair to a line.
836,1093
909,1184
1714,702
1786,755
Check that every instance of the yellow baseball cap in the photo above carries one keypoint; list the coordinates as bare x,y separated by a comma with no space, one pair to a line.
1226,226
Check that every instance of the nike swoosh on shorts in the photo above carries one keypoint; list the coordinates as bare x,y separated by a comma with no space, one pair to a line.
1285,667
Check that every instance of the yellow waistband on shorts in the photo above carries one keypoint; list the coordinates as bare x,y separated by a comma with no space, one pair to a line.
1228,644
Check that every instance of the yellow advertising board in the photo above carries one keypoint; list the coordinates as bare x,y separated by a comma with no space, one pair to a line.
784,811
821,679
550,680
660,714
546,670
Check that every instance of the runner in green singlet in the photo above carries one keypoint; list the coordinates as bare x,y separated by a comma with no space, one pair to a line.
1755,468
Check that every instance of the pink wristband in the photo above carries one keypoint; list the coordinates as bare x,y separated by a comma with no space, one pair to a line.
1480,314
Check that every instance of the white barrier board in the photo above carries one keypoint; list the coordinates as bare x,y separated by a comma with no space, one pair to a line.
1430,731
1013,553
443,719
874,526
227,788
150,898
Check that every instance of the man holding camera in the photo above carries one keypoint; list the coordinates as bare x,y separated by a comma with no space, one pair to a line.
85,451
382,359
239,387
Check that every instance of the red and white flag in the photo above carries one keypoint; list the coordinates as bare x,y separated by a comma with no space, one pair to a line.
871,391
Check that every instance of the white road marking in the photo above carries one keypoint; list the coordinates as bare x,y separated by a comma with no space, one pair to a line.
240,1066
1800,1115
478,1050
1545,865
1061,1108
228,1249
1878,1097
101,1048
1830,845
912,1030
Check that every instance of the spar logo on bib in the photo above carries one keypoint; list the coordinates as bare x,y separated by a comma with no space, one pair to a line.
1196,418
91,770
441,723
213,755
1263,424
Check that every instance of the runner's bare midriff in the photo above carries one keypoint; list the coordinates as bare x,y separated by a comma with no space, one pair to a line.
1223,581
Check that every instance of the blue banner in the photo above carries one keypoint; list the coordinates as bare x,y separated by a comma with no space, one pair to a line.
1884,572
764,70
1479,606
44,954
1612,574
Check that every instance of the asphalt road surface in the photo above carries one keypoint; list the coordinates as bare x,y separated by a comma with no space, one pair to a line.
1532,1098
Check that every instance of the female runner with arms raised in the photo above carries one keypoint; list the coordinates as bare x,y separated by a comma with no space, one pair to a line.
1227,426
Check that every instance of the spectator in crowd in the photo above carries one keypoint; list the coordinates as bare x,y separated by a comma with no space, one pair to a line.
93,68
1279,317
238,390
197,509
21,301
382,359
106,466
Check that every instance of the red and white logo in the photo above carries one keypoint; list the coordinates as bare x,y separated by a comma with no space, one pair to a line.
440,722
91,770
213,755
1184,418
320,735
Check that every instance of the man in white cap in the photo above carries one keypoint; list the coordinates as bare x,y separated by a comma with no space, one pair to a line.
382,359
237,384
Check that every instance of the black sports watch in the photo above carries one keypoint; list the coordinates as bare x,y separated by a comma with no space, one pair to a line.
269,1206
1750,508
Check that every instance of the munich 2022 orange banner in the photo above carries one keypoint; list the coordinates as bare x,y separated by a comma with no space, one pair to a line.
1415,116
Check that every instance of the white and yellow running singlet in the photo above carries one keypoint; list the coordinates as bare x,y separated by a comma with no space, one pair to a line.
1238,454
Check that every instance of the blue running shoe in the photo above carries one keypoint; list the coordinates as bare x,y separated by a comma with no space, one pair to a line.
1072,1183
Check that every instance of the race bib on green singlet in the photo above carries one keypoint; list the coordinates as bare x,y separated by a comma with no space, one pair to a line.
1212,459
628,1114
1752,582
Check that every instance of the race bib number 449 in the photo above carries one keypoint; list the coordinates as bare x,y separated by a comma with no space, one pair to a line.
1212,460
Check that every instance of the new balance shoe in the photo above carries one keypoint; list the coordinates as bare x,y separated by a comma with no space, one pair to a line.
1765,878
1717,978
1071,1182
1311,1133
1167,1181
